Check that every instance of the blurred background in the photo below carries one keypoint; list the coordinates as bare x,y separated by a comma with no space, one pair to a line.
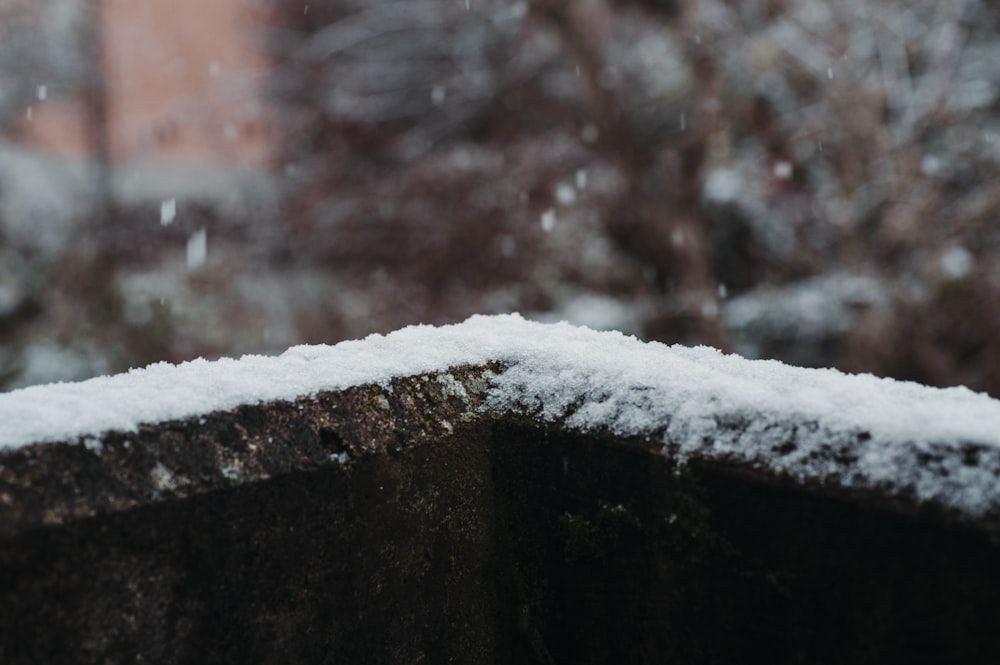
804,180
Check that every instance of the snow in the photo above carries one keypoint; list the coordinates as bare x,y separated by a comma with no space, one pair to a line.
438,94
168,211
548,220
595,311
197,249
956,262
723,185
565,194
692,401
782,170
802,313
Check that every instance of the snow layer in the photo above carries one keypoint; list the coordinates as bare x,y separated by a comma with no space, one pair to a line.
941,444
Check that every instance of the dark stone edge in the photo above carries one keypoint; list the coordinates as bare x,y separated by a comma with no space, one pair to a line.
54,483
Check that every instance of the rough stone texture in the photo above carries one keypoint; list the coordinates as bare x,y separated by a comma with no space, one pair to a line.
50,484
405,525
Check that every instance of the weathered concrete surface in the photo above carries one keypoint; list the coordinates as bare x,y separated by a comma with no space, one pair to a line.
407,526
352,527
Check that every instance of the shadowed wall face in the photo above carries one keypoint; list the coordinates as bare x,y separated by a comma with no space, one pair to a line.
505,542
388,561
624,557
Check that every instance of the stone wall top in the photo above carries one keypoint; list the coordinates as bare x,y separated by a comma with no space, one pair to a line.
853,432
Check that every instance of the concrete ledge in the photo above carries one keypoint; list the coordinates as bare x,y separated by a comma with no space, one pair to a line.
412,521
50,484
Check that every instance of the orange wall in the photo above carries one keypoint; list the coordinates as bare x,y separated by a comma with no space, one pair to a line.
183,80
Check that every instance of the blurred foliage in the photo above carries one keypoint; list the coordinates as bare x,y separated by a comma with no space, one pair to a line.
793,179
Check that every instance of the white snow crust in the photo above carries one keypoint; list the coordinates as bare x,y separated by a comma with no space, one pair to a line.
813,424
